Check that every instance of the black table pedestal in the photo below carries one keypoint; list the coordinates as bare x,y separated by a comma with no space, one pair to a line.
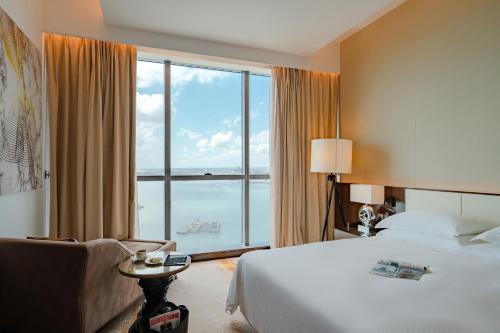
155,292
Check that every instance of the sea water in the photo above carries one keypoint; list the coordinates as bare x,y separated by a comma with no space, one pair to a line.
218,201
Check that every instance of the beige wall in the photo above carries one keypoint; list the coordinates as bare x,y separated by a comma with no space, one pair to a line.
420,96
85,18
21,214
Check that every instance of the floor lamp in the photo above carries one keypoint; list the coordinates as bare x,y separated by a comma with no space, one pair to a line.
333,157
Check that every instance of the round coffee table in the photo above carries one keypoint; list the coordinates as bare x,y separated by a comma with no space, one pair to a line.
154,281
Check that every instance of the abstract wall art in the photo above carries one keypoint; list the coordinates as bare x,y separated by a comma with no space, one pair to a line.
20,110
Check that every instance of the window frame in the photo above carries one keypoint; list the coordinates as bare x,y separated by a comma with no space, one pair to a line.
167,178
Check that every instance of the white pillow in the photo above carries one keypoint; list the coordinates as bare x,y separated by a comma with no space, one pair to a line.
490,236
441,242
490,251
434,223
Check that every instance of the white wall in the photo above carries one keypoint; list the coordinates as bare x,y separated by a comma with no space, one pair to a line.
21,214
28,16
84,18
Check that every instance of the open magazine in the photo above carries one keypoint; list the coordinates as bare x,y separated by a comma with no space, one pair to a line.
399,269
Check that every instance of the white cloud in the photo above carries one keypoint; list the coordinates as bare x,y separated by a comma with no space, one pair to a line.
150,107
181,75
224,148
221,138
260,108
226,140
260,142
192,135
259,149
174,98
149,146
232,121
203,144
149,74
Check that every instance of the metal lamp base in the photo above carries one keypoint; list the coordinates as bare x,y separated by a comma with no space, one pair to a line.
333,190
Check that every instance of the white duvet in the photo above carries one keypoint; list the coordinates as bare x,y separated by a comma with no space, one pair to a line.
327,287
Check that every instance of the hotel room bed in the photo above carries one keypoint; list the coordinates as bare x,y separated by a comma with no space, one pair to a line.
327,287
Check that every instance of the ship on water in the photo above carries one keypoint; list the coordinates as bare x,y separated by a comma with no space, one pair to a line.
200,227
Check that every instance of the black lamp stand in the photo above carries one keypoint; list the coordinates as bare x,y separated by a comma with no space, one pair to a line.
333,188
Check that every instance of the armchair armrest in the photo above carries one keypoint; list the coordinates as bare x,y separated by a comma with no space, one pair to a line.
107,292
106,242
145,241
164,245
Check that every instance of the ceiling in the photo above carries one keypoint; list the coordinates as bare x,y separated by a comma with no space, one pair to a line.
292,26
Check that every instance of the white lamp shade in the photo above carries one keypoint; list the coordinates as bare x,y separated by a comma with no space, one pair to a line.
367,194
331,155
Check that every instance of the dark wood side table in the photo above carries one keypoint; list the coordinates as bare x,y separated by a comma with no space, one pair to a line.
154,281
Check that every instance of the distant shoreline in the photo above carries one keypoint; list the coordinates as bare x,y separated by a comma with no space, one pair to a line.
200,172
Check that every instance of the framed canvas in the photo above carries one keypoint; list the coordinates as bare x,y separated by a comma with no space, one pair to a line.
20,110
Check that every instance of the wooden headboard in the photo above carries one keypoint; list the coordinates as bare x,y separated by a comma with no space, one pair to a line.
476,206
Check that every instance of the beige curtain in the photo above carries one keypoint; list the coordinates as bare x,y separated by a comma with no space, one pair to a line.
91,103
304,106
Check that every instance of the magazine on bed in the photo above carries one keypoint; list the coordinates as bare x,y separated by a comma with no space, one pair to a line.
399,269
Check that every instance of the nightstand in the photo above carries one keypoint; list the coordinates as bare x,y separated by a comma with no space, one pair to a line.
342,232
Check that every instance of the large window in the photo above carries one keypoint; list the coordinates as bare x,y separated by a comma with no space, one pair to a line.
202,156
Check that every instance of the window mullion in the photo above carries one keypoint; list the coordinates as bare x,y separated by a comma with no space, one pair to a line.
201,177
167,129
256,177
246,156
150,178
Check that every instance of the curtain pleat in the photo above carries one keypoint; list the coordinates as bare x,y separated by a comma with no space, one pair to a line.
91,88
304,106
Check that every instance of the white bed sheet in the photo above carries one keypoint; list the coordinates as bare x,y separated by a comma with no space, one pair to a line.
327,287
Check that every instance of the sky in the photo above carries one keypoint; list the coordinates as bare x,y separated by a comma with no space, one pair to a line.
205,121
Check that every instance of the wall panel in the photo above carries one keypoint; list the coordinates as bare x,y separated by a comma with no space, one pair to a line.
420,96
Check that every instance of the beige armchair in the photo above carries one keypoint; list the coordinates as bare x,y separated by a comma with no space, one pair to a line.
57,286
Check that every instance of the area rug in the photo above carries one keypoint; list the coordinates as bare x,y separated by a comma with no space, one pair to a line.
202,288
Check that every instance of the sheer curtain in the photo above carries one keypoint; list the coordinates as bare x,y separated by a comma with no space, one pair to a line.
91,105
304,106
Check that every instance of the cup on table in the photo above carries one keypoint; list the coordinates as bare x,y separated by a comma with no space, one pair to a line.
141,254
